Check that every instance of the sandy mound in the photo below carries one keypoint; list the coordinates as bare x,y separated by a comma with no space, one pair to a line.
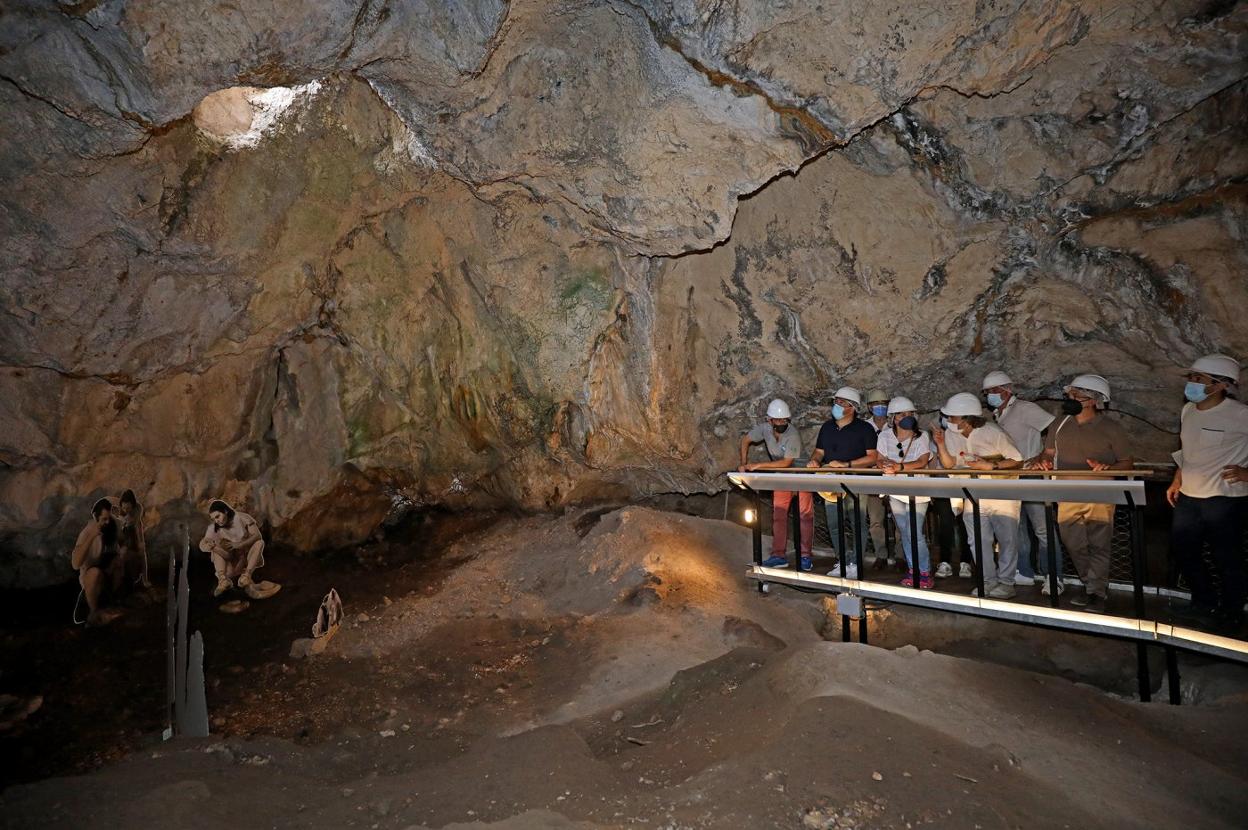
588,672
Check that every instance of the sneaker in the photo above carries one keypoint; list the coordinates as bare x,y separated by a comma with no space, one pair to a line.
964,570
1095,604
943,570
1081,599
851,571
807,563
925,580
1002,590
223,584
879,563
1019,579
1044,587
988,586
775,562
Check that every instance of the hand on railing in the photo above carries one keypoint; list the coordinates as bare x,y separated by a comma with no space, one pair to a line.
1097,465
1040,463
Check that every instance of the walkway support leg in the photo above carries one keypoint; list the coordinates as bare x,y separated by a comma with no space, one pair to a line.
1136,534
979,541
1055,578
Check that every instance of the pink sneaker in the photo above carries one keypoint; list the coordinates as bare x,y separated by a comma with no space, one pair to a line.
925,581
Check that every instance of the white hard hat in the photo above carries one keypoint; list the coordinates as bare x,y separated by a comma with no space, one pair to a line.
1090,383
1218,365
849,393
778,409
996,379
877,395
963,404
900,404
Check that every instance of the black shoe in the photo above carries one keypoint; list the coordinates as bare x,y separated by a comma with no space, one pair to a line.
1094,603
1082,598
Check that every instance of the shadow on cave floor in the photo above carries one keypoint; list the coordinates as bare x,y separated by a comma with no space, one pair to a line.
103,689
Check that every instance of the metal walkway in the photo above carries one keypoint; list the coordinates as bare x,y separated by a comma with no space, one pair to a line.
1123,488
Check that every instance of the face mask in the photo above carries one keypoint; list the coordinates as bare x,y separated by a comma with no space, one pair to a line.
909,422
838,412
994,400
879,411
1070,406
1195,392
944,422
780,428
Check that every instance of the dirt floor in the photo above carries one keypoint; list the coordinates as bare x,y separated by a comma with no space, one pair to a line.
601,669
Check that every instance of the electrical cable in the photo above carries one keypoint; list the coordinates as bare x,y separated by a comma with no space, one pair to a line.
78,602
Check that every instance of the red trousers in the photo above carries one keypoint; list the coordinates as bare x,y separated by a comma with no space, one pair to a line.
780,500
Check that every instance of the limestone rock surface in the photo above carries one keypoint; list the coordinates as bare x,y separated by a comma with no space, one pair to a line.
337,258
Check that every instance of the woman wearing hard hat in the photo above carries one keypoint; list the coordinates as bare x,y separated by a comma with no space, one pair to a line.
1210,493
784,446
1025,423
971,442
1086,440
903,446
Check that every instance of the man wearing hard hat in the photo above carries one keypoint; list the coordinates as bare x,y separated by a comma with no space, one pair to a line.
783,445
1210,492
1025,423
844,442
972,442
1085,439
877,419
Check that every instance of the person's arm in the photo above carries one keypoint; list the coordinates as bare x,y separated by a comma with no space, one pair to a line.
946,458
209,543
815,457
746,442
82,546
1172,492
917,464
253,536
868,460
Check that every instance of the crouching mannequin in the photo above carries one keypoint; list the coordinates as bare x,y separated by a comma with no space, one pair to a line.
233,541
96,557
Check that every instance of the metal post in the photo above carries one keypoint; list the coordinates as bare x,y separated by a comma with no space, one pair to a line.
914,543
1136,533
795,527
977,532
756,534
1172,672
756,531
171,624
840,550
1055,578
862,621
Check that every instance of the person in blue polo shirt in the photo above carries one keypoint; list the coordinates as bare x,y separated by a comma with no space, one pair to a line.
844,441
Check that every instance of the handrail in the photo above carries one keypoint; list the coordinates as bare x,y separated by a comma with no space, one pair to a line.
953,485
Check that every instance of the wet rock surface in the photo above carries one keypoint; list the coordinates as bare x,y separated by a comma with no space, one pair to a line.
483,254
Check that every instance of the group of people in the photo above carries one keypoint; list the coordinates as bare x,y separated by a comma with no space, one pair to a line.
997,430
110,554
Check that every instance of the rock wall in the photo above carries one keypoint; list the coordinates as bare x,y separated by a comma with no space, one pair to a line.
334,258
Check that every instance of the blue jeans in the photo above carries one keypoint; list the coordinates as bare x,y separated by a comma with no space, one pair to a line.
901,515
1034,559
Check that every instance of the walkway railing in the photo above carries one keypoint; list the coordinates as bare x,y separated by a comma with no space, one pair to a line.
1117,487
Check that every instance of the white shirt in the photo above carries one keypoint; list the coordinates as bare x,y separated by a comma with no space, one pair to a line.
989,442
1023,421
914,449
1210,440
